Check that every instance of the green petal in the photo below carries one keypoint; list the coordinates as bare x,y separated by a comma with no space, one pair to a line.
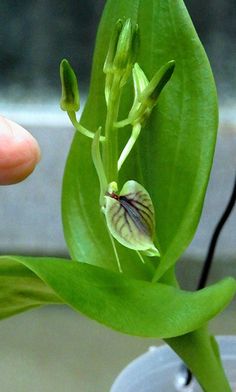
140,80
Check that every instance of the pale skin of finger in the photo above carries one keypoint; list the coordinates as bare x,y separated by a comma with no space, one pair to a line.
19,152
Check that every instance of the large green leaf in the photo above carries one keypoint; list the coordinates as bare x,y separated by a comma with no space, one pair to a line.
21,289
125,304
174,154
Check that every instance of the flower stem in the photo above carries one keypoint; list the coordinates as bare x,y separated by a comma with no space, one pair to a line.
134,135
97,161
80,128
110,145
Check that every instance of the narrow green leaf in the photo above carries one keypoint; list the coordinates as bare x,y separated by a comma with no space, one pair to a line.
127,305
173,156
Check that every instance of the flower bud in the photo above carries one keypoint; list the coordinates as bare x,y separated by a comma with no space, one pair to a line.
70,101
151,93
121,55
130,217
135,44
147,93
112,47
124,45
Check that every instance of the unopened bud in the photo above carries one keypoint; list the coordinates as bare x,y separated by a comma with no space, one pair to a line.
124,45
70,100
112,47
147,93
135,44
151,93
132,56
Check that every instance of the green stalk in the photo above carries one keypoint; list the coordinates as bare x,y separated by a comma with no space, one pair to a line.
80,128
110,145
197,349
97,161
128,147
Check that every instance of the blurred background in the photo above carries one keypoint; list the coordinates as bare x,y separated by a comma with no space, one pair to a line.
53,348
37,34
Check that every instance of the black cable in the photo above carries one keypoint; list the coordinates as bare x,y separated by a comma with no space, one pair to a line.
189,377
211,250
210,254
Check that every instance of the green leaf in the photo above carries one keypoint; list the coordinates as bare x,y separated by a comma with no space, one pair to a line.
21,289
173,155
201,356
177,155
127,305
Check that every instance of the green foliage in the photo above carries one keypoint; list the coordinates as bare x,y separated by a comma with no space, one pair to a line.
173,155
21,289
200,353
127,305
171,158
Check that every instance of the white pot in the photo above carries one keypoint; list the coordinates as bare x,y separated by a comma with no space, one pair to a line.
159,370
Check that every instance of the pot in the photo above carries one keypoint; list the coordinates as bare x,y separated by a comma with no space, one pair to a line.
161,370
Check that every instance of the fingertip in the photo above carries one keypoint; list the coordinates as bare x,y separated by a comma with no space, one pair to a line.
19,152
